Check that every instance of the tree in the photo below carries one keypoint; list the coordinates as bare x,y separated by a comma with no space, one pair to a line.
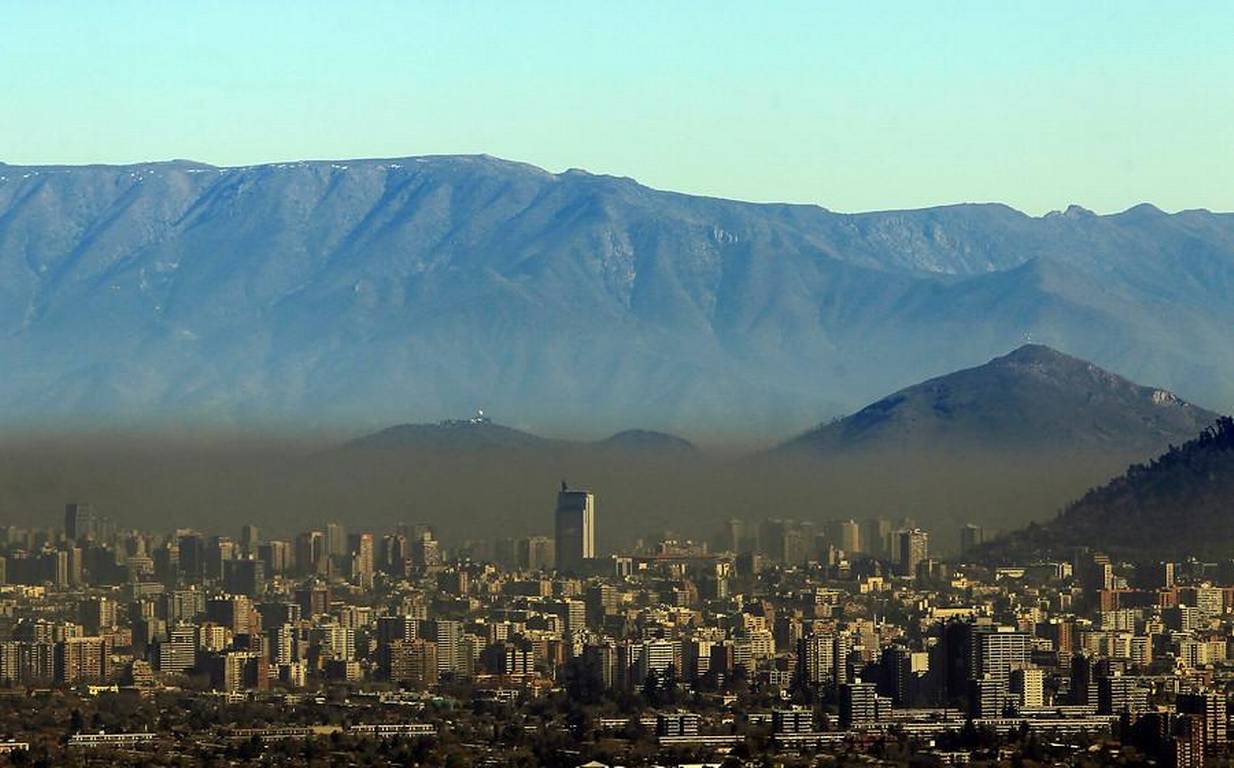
668,685
583,681
651,688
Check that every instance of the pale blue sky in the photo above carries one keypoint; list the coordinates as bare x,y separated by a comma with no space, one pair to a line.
853,106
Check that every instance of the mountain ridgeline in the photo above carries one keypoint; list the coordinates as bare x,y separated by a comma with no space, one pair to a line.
365,293
1175,506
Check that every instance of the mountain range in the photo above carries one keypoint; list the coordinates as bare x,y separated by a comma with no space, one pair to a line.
371,292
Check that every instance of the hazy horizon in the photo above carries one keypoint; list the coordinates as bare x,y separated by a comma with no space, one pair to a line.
287,485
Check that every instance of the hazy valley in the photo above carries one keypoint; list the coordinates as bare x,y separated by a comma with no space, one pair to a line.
1005,443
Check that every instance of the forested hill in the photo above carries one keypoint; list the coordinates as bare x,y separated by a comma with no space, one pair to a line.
1178,505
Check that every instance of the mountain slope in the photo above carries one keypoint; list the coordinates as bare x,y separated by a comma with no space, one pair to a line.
1175,506
1034,399
379,291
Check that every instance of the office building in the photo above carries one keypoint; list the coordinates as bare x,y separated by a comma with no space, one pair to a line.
816,660
336,540
277,556
314,600
971,537
250,539
1028,686
536,553
903,672
79,522
1000,650
844,535
1121,694
236,612
410,662
98,615
677,724
236,669
786,541
392,628
447,634
192,548
219,551
82,660
654,657
363,560
244,577
737,536
1084,689
1210,709
876,535
311,557
425,550
575,530
988,697
859,705
914,547
793,720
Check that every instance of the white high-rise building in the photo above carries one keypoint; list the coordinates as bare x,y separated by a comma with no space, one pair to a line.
655,657
178,652
1029,684
448,637
575,529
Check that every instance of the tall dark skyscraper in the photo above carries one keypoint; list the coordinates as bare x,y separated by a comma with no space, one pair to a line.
193,556
914,547
79,521
336,540
575,528
244,577
250,538
971,537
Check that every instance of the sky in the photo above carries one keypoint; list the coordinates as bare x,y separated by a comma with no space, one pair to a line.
853,106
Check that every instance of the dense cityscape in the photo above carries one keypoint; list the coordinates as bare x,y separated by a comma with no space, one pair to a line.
769,644
864,376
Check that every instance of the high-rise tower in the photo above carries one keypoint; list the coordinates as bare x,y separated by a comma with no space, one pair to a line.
575,529
79,521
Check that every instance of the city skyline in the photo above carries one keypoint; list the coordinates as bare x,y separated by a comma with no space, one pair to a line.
573,385
817,647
